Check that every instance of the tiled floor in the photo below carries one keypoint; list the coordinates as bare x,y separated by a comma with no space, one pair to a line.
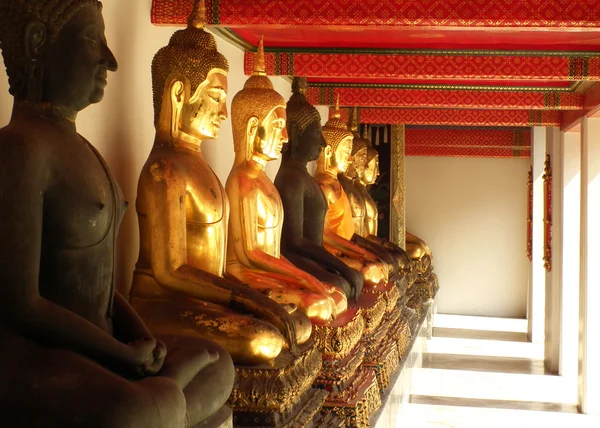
488,377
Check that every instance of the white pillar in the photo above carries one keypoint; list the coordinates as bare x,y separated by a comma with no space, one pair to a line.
571,202
553,277
589,313
536,291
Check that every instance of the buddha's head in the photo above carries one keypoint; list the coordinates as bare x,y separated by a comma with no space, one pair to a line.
359,156
258,116
189,81
303,125
55,52
336,157
371,171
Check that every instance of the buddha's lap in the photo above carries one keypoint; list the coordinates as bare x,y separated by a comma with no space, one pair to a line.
47,387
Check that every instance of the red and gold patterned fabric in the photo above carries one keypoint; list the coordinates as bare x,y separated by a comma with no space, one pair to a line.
397,65
468,142
432,13
466,117
445,98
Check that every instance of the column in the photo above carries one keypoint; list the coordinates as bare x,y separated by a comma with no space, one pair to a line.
537,277
571,185
589,297
553,274
398,190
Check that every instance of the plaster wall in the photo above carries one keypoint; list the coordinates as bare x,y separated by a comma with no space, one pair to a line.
121,126
471,213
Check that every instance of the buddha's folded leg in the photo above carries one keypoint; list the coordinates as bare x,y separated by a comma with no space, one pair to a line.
41,387
247,339
316,270
208,391
287,290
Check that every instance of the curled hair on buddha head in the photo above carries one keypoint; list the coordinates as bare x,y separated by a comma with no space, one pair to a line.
360,142
191,54
257,99
15,18
300,112
335,130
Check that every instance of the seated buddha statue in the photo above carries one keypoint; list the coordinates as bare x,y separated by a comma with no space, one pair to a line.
75,353
339,226
256,218
303,201
355,190
178,285
363,172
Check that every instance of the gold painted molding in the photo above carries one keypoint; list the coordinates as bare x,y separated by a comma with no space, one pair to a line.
398,191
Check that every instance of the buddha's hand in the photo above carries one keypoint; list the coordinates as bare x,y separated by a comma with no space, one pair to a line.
269,310
145,356
356,281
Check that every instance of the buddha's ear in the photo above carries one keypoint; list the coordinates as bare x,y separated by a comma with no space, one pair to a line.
327,152
176,93
251,134
35,40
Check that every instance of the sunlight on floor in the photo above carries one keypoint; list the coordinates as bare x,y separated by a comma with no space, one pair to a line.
488,376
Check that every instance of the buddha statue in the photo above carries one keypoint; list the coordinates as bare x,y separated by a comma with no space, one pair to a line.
256,219
75,353
362,173
178,284
339,226
303,201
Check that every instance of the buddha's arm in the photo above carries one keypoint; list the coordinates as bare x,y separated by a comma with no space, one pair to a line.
249,248
22,187
377,249
127,324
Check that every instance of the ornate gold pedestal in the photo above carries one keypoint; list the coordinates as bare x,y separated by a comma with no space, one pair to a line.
354,392
280,394
358,401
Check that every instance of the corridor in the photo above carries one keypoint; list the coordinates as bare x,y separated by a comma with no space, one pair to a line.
483,372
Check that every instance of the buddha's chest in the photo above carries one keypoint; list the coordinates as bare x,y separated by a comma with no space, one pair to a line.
357,204
83,200
269,208
205,199
315,203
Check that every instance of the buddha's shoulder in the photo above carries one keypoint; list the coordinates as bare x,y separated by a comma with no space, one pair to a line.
291,177
18,145
167,165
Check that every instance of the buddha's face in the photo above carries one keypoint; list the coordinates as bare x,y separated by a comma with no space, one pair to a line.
359,161
272,134
310,143
371,171
343,155
202,115
78,62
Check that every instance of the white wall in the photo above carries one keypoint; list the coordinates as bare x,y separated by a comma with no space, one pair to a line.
472,214
121,126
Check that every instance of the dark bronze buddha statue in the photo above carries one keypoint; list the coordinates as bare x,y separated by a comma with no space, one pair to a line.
75,353
303,200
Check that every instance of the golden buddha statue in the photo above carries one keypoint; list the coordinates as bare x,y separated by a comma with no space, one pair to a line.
339,226
178,285
253,250
363,173
75,353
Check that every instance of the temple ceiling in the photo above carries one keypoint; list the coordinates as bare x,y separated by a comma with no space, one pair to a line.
424,62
